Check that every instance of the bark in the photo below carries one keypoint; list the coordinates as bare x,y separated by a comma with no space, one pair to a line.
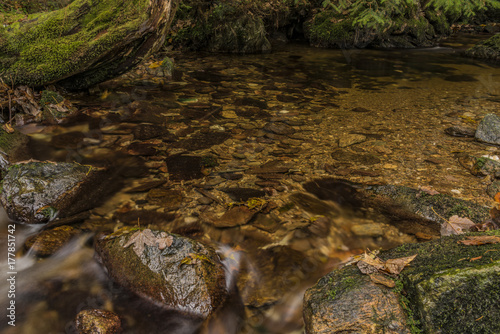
84,43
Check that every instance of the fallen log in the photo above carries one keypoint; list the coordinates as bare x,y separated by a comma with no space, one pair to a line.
82,44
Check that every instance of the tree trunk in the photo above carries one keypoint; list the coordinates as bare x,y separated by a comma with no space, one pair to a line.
84,43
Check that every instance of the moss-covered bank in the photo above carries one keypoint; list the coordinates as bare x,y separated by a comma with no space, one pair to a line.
82,44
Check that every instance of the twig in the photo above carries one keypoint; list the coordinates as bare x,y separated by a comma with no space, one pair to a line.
454,229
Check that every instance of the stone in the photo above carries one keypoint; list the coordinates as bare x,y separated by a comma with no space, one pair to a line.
36,192
184,167
367,230
460,131
279,128
482,166
346,301
96,321
488,130
351,139
448,277
236,216
148,131
243,194
229,114
50,241
182,275
169,199
13,148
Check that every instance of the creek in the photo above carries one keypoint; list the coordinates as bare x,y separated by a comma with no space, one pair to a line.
366,116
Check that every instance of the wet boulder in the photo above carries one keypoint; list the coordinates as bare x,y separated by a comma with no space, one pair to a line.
172,271
452,287
488,130
346,301
36,192
50,241
95,321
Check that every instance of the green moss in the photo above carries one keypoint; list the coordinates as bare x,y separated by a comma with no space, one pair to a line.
460,282
327,29
345,284
56,43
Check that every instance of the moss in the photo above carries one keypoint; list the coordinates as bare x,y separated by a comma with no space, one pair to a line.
452,286
327,29
488,49
51,45
341,283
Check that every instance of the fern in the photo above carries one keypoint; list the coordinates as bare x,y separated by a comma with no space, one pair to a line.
463,8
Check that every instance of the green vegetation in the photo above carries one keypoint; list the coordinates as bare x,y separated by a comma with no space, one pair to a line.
413,324
345,284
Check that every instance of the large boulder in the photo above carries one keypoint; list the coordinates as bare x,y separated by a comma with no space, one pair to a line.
83,43
451,286
346,302
172,271
36,192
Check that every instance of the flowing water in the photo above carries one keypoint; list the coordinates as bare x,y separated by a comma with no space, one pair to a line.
366,116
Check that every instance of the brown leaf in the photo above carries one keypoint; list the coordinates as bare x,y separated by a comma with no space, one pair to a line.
382,279
165,240
480,240
369,265
395,266
139,239
456,225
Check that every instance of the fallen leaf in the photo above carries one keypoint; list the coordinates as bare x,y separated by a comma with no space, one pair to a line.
456,225
429,190
395,266
369,265
476,258
8,128
382,279
480,240
497,197
165,240
139,239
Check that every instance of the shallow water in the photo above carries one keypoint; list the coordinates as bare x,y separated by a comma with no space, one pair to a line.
293,108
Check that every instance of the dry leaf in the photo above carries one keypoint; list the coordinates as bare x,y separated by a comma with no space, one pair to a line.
456,225
139,239
497,197
395,266
8,128
369,265
429,190
382,279
476,258
165,240
480,240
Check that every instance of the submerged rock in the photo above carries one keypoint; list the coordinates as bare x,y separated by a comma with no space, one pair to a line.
432,207
172,271
48,242
488,130
97,321
346,301
12,149
36,192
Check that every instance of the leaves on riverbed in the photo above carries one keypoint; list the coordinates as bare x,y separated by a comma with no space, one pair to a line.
480,240
145,237
456,225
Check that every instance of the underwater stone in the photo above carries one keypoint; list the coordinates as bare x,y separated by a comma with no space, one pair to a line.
98,321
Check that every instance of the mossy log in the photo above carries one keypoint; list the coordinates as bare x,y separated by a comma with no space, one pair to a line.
82,44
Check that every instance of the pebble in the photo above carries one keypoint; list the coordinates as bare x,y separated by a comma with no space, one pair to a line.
351,139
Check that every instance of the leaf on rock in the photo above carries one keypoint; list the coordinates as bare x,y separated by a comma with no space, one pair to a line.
369,265
480,240
165,240
382,279
497,197
139,239
395,266
456,225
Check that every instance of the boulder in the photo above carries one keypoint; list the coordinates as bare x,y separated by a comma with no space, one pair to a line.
172,271
344,301
487,49
12,149
50,241
36,192
451,286
82,44
488,130
95,321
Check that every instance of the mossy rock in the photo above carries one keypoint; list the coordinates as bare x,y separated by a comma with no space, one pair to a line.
185,276
432,207
13,148
345,301
50,241
84,43
453,288
36,192
488,49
